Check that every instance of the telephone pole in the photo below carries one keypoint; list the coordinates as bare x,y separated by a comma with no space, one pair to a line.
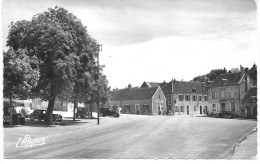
99,50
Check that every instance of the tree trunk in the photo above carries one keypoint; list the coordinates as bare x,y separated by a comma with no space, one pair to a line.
74,109
11,109
91,109
50,108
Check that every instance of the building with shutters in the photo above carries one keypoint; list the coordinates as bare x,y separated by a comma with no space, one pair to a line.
227,91
184,97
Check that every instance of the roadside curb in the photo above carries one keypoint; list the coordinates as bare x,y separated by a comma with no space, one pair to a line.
232,150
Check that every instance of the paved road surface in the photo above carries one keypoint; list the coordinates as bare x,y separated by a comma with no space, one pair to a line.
178,137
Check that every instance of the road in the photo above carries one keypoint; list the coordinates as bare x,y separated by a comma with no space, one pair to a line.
172,137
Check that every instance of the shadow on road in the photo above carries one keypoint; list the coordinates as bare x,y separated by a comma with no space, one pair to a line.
229,118
52,124
71,118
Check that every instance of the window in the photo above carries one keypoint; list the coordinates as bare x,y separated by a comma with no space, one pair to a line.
232,94
61,103
187,97
214,107
174,101
159,97
194,98
194,108
193,90
205,98
200,98
169,96
222,94
181,97
170,107
214,94
169,102
111,107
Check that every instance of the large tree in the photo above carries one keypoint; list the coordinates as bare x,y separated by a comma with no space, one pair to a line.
58,39
21,74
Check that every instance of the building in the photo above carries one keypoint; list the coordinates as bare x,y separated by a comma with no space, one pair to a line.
144,101
147,101
249,104
227,91
186,97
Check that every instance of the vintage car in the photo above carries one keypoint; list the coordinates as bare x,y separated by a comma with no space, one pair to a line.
17,119
82,112
40,114
108,112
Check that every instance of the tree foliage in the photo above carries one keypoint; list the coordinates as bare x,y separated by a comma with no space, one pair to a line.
64,50
211,76
21,73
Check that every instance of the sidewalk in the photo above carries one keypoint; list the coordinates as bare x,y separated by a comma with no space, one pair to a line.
247,149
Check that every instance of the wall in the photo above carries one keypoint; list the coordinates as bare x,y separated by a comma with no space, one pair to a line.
158,102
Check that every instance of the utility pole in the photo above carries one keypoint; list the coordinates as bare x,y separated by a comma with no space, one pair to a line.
99,50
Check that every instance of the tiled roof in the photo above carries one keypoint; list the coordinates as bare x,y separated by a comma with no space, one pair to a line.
150,84
133,94
185,87
230,79
253,74
252,92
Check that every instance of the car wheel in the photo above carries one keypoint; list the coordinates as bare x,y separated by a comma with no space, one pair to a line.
39,119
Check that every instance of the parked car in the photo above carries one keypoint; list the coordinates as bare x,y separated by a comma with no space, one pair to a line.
227,114
40,114
107,112
224,114
82,112
17,118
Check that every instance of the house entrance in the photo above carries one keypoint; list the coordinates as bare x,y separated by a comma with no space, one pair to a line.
233,109
223,107
188,112
137,108
200,109
248,112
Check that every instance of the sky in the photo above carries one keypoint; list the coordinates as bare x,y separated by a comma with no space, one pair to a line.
156,41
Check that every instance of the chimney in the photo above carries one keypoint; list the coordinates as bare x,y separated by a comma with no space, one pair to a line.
246,72
241,69
224,70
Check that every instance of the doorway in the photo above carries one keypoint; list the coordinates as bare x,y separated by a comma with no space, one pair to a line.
248,112
223,107
188,112
200,109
